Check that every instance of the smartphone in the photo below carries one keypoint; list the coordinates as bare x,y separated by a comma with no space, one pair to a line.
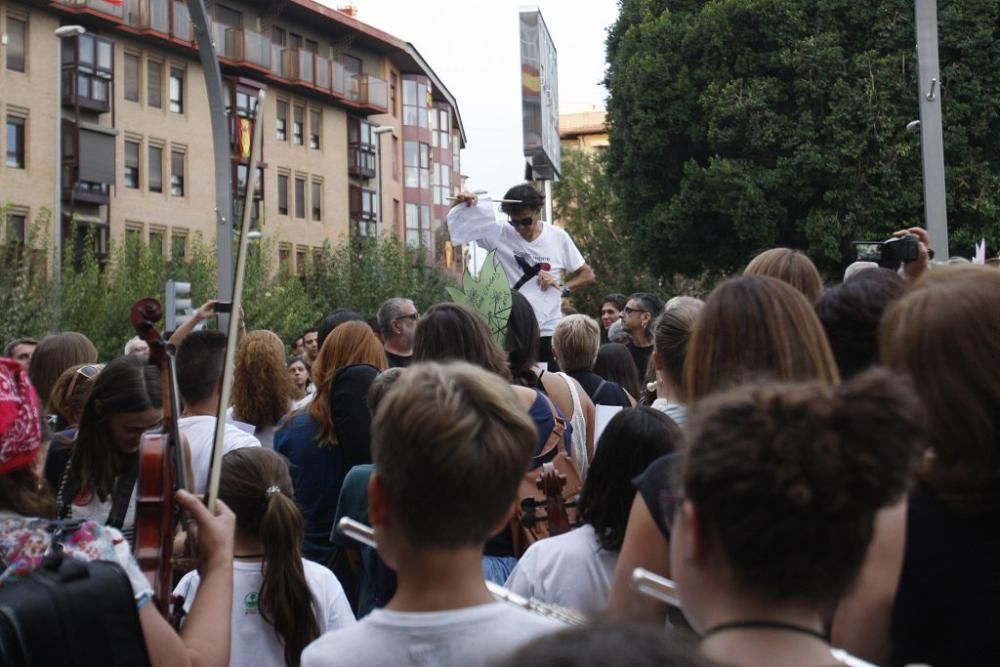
223,307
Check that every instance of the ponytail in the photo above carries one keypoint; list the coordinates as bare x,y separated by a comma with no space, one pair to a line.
256,485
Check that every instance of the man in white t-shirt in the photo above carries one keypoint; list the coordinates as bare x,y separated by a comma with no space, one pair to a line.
200,359
536,256
450,443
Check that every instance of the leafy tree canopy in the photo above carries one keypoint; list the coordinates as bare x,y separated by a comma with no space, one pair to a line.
738,125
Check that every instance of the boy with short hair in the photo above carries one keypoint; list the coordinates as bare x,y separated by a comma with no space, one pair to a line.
451,443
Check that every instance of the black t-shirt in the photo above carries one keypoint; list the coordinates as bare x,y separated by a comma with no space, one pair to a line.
657,478
640,355
397,360
608,393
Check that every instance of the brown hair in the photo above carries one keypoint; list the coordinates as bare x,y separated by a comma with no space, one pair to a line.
576,340
671,335
349,344
70,392
23,493
456,436
787,478
262,389
752,327
256,485
127,384
55,354
789,266
945,333
452,332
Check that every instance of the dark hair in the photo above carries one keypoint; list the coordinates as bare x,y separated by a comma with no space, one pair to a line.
55,354
671,335
614,364
945,334
850,314
652,304
521,342
452,332
334,320
451,435
634,438
381,385
530,198
23,493
607,643
787,478
126,385
8,349
200,359
618,299
256,485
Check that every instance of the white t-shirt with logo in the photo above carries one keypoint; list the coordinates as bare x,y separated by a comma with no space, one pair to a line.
200,432
471,637
553,247
571,570
254,641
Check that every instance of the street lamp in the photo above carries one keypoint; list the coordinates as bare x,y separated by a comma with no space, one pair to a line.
62,33
379,131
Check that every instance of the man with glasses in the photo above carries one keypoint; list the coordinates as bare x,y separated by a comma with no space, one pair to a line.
397,322
638,317
537,256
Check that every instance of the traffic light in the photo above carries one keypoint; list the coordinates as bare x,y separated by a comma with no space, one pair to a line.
178,304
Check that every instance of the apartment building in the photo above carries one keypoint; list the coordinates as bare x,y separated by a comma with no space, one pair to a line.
583,128
352,116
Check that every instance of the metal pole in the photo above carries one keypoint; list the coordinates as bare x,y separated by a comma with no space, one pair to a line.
931,134
220,143
57,205
548,200
379,131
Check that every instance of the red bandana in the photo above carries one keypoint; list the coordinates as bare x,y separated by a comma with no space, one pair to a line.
20,423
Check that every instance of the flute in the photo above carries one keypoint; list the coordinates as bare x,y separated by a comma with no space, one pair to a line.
655,586
499,201
359,532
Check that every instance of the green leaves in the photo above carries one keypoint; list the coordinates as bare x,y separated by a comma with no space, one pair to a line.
489,295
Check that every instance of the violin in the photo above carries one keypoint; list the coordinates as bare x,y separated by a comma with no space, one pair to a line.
162,465
555,521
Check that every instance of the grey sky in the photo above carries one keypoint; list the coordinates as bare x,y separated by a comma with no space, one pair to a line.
473,47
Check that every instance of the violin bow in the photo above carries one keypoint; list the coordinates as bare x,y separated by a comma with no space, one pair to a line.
232,335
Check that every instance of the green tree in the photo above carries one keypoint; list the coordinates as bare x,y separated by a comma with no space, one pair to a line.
738,125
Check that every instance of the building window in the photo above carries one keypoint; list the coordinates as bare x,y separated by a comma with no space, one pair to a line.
316,199
315,119
442,183
15,142
178,246
294,41
455,154
443,125
414,103
412,225
411,164
177,173
154,83
278,36
312,46
395,158
363,210
176,90
281,121
17,31
300,197
300,262
87,80
425,166
282,194
131,164
297,123
15,232
155,169
393,85
361,148
156,242
284,260
133,74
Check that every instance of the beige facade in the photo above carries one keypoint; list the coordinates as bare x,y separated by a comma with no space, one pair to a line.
330,81
585,130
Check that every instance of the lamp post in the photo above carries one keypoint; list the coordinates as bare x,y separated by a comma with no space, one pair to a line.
62,33
379,131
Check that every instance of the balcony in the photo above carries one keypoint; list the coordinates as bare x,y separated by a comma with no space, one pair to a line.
148,15
181,27
244,47
116,10
299,66
368,90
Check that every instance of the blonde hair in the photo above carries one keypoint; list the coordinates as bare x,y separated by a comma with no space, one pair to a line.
349,344
262,389
789,266
576,341
456,436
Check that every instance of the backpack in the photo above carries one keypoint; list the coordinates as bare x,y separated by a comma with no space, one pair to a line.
552,469
71,613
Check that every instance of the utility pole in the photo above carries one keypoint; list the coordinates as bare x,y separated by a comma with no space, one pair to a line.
931,134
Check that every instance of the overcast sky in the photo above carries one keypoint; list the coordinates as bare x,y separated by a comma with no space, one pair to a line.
473,47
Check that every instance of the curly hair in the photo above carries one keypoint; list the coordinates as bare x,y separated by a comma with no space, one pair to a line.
787,478
262,389
349,344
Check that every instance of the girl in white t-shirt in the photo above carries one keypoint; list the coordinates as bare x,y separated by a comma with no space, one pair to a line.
281,602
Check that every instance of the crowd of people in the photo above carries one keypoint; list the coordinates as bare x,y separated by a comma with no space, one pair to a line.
814,464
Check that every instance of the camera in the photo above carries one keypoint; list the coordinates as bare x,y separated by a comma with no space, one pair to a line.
889,254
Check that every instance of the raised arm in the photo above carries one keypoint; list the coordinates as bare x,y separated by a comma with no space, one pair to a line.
473,220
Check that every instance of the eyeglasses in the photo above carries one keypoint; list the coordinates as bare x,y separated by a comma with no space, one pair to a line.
628,310
411,316
670,502
521,222
87,372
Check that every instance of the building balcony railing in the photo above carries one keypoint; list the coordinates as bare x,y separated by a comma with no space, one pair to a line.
369,90
116,10
242,46
149,15
181,27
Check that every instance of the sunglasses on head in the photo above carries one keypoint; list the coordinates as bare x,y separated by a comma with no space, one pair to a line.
87,372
